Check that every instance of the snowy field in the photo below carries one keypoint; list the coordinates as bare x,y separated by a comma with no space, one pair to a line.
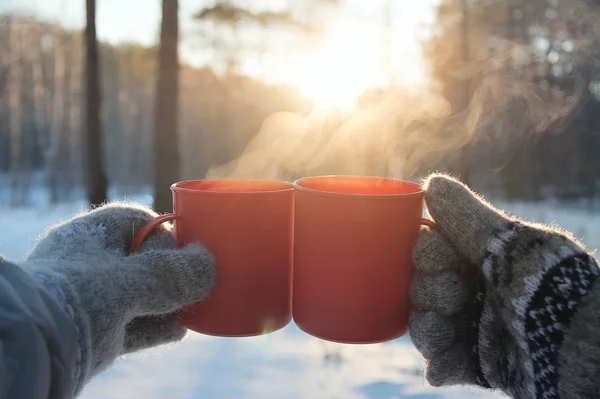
282,365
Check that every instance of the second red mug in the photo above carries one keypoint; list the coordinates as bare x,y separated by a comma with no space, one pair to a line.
353,239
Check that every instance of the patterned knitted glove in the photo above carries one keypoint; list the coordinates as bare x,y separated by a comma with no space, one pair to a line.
525,315
120,303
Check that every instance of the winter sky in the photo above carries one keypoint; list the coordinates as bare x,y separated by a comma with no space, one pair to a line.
138,21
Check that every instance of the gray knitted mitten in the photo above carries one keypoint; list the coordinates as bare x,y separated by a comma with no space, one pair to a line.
525,315
121,302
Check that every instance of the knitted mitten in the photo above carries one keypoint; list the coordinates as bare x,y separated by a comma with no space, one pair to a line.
524,317
120,302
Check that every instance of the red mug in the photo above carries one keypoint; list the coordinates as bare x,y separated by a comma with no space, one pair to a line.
248,226
353,238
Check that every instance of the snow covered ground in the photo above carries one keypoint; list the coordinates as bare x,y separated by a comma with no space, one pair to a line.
284,365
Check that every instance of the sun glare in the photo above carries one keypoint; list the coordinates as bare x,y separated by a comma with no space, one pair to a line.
334,78
348,62
340,69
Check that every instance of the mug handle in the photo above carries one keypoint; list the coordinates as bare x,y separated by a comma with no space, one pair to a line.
142,234
463,267
429,223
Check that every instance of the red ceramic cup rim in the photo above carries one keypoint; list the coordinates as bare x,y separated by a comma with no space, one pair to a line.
418,190
245,186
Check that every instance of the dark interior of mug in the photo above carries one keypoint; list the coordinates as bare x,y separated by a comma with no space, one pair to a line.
358,185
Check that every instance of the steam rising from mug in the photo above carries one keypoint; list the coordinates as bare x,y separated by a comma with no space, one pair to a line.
401,132
373,139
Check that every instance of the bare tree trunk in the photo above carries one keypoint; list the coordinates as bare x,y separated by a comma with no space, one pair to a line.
5,58
76,121
112,121
145,153
51,152
137,123
28,145
96,181
65,161
39,95
166,108
41,98
15,114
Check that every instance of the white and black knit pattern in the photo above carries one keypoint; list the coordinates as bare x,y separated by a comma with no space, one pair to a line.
542,310
497,270
503,303
549,315
475,311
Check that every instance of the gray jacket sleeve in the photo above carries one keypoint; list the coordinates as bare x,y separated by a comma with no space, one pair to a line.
39,351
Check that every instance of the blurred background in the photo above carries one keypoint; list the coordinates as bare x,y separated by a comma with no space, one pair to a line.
108,99
502,93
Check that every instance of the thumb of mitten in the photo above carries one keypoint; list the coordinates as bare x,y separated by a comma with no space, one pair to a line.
162,281
149,331
466,220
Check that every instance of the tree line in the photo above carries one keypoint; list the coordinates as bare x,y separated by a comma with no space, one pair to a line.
81,115
43,113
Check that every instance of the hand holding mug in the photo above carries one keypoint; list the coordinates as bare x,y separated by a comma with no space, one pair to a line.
120,302
352,256
248,226
513,321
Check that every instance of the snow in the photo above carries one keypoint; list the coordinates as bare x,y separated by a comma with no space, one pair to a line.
285,364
